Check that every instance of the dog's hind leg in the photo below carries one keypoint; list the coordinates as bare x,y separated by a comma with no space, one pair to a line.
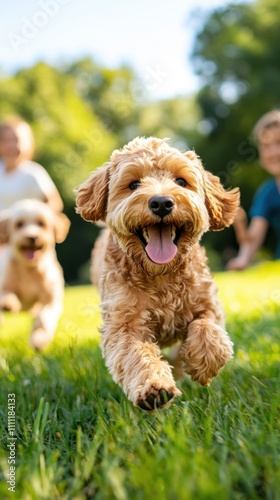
45,324
206,349
10,302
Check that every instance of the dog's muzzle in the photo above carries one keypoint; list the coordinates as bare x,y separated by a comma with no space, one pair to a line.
159,240
31,247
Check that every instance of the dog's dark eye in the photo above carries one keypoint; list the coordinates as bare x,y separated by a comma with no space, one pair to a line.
40,223
19,224
134,185
181,182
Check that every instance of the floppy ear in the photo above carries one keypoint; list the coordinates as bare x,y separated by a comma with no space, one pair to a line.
91,202
4,229
222,205
62,225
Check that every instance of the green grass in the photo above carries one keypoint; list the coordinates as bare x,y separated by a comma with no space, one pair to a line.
79,438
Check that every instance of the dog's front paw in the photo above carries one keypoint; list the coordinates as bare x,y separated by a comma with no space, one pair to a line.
155,396
10,303
154,402
40,339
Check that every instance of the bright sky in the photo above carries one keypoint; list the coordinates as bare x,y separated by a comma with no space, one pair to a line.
155,37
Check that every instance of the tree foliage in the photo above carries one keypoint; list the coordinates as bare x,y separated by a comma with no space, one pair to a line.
71,141
237,57
110,94
81,112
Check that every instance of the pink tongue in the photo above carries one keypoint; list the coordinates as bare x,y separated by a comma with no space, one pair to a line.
29,254
160,248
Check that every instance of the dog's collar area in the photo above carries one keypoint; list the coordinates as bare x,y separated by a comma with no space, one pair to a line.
160,242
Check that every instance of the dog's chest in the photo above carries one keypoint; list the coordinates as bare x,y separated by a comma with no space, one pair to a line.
29,293
170,317
28,287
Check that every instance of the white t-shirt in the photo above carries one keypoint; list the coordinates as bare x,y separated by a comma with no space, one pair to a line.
27,180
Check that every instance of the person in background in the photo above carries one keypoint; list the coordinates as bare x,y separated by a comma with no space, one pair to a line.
20,177
265,210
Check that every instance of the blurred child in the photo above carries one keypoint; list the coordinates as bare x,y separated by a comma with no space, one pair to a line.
19,176
265,209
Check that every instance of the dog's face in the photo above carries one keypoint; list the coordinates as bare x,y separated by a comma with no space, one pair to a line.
157,201
31,228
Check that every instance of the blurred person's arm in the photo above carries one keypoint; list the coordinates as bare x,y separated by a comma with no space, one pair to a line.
44,187
53,199
254,238
240,225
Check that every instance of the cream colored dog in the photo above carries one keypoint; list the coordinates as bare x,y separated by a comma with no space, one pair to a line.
30,275
155,285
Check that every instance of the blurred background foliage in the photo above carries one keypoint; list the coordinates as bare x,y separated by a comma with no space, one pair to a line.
81,112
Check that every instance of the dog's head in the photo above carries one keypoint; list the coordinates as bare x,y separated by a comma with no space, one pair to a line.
31,228
157,201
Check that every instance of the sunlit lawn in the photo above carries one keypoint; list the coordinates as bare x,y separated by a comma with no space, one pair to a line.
79,438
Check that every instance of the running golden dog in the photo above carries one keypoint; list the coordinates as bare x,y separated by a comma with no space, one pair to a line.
155,285
30,275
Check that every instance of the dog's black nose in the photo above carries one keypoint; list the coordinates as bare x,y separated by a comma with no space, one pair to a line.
161,205
31,239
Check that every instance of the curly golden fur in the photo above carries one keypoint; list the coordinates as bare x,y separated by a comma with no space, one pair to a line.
155,285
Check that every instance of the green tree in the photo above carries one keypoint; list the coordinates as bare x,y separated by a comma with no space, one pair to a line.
111,94
172,118
237,57
71,141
